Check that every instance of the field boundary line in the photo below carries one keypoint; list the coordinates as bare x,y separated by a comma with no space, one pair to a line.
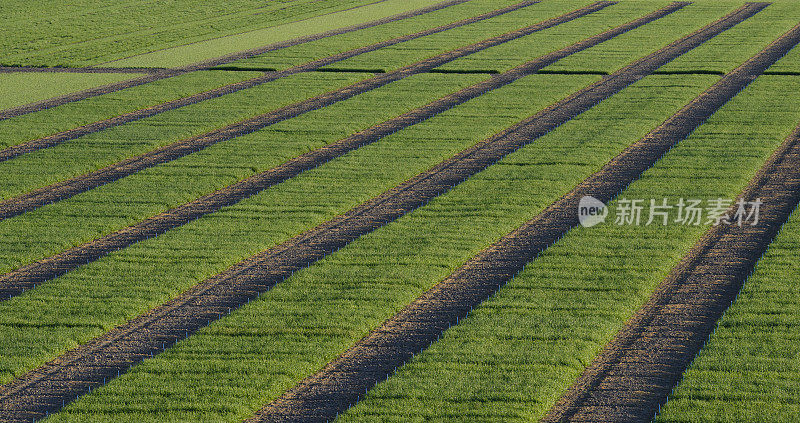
168,73
84,69
27,277
67,188
269,76
74,373
631,378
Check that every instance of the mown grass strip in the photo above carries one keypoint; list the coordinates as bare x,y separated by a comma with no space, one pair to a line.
67,188
88,69
56,139
216,296
27,277
375,357
56,101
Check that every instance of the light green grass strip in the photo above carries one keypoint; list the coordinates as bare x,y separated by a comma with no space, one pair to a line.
60,314
30,126
514,355
750,368
789,63
17,89
94,151
250,357
55,227
202,50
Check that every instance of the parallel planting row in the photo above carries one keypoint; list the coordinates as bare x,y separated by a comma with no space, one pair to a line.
515,354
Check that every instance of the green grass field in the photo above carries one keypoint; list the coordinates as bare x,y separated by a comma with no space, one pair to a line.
517,353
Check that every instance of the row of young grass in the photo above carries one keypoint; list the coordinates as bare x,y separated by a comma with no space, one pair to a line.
615,53
749,369
229,369
17,89
726,51
94,31
444,41
58,226
94,151
508,55
513,356
788,64
71,309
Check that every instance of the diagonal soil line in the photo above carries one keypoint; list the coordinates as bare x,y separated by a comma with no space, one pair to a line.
67,188
168,73
631,378
55,139
375,357
27,277
74,373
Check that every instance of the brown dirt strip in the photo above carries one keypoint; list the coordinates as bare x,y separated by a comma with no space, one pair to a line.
28,277
632,377
67,188
168,73
77,371
55,139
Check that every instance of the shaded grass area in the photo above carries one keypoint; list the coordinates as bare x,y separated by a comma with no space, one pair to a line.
748,370
726,51
17,89
280,338
94,151
43,322
618,52
513,356
55,227
436,43
30,126
93,31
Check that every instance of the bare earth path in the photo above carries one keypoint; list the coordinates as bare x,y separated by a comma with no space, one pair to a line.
61,380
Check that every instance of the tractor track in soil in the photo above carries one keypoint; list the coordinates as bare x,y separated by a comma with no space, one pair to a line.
632,377
27,277
58,138
63,379
70,187
206,64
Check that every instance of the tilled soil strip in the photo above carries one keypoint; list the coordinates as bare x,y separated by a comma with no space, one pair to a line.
55,139
341,383
168,73
27,277
632,377
67,188
61,380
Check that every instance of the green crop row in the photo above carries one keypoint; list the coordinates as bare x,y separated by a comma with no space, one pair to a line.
46,122
292,56
91,32
17,89
513,356
69,310
280,338
748,371
94,151
55,227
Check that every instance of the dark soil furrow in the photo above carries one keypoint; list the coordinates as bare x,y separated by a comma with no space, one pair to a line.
65,189
341,383
633,375
16,282
74,373
55,139
168,73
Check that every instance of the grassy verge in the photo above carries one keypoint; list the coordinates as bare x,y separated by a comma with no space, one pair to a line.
68,310
279,339
748,370
94,151
55,227
17,89
516,353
